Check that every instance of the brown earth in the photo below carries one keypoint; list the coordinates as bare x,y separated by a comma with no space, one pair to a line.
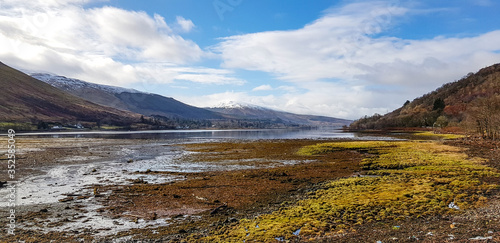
224,197
207,201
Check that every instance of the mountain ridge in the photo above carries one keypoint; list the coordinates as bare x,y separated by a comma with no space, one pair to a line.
161,107
26,99
132,100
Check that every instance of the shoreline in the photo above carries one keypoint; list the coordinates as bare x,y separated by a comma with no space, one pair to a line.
201,202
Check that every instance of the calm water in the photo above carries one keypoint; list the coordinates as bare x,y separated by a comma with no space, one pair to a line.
316,133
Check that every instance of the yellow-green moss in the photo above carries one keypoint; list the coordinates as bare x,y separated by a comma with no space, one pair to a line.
444,136
406,179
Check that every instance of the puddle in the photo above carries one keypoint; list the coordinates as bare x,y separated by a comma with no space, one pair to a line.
88,219
57,182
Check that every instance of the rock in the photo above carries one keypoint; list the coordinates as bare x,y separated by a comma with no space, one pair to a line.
139,181
200,198
219,209
152,216
230,220
67,199
452,205
482,238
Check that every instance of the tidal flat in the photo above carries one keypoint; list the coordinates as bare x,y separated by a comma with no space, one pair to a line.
273,190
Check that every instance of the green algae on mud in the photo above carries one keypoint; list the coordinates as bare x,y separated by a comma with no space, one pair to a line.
402,180
239,193
443,136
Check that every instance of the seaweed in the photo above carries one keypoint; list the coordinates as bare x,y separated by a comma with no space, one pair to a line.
401,180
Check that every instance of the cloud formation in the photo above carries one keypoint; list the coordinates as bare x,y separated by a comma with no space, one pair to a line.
347,53
345,63
104,45
185,24
264,87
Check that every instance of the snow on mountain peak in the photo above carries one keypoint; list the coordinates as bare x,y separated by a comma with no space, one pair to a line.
237,105
73,84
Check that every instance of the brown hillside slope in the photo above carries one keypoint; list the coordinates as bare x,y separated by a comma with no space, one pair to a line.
25,99
472,102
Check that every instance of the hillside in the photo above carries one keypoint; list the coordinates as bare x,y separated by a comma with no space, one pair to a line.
250,112
127,99
472,102
229,115
26,99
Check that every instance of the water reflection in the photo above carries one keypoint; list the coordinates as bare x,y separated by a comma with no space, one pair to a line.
251,134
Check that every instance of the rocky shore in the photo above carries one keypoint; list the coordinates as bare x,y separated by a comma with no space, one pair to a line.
209,189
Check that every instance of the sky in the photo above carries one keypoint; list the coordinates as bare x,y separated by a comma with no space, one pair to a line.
338,58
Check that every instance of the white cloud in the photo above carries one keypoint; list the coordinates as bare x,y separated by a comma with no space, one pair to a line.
347,47
264,87
343,64
185,24
319,50
97,44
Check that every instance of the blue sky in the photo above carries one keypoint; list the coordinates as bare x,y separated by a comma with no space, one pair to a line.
344,59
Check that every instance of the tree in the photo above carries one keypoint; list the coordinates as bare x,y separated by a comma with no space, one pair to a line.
484,114
438,104
42,125
441,121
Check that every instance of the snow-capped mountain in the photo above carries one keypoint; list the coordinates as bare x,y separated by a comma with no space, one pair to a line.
126,99
237,105
65,83
37,102
153,104
235,110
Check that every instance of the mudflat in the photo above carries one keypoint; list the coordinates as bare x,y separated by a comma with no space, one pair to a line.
203,191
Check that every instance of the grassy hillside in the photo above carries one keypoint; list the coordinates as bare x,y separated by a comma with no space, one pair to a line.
472,102
28,100
153,104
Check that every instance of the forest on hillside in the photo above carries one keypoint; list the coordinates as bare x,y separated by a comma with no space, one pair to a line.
471,103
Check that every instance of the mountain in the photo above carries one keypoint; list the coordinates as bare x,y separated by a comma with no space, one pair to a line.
127,99
26,99
472,103
156,105
233,110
